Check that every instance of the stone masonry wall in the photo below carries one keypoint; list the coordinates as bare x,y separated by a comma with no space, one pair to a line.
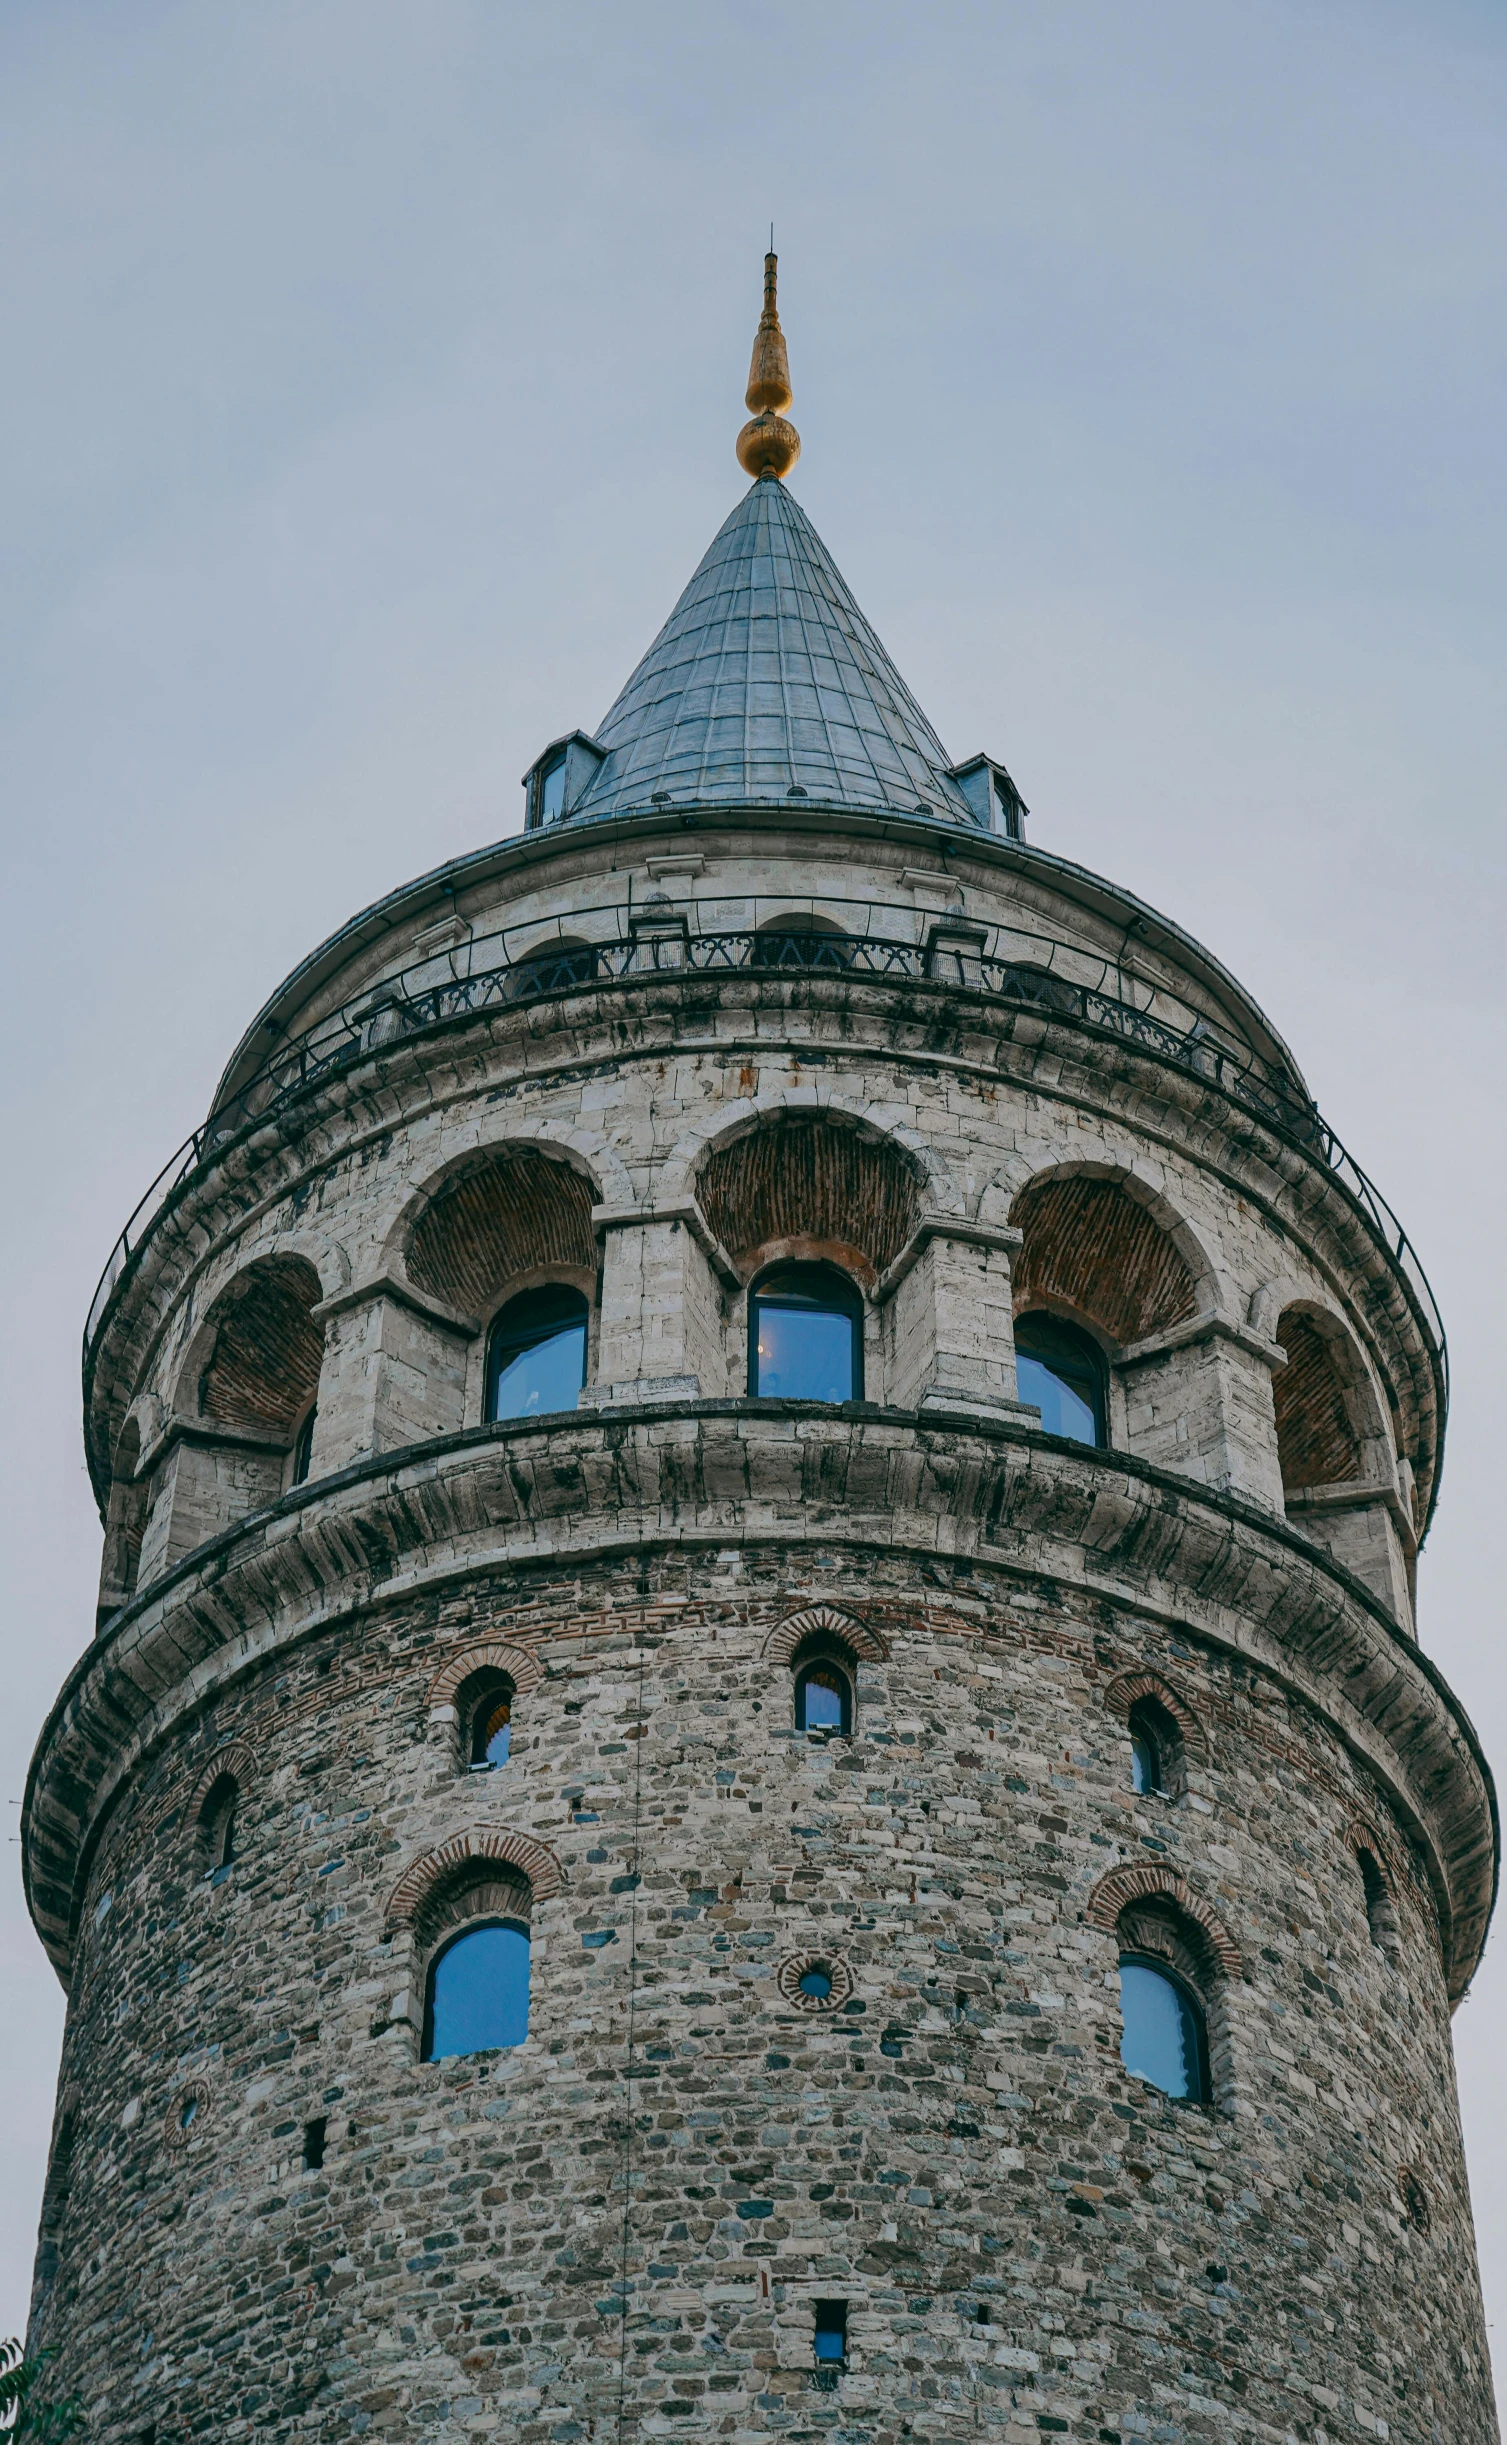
620,2229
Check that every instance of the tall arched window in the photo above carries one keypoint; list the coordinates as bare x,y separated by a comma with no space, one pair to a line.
536,1353
1060,1370
217,1828
805,1335
1165,2037
478,1991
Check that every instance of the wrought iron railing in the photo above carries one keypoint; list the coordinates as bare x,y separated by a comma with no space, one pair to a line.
1026,971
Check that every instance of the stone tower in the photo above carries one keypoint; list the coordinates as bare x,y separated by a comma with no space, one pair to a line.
756,1764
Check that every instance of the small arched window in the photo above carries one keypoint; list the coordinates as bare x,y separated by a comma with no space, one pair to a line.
478,1991
805,1335
1165,2037
1060,1371
1156,1750
303,1450
824,1698
536,1353
492,1725
1381,1913
217,1827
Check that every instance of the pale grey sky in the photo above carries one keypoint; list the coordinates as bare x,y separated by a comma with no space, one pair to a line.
373,371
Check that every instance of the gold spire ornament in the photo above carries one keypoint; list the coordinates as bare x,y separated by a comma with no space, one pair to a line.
768,444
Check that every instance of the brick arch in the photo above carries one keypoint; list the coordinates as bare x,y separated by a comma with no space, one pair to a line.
521,1665
824,1621
1128,1688
1092,1246
499,1213
1142,1882
255,1364
1319,1441
475,1847
811,1178
235,1759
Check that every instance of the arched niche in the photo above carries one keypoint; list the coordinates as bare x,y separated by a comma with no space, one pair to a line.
501,1218
811,1185
261,1367
1093,1250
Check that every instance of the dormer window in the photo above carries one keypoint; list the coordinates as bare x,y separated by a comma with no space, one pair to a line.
552,787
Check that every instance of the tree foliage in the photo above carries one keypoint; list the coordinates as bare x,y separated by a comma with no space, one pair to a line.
22,2416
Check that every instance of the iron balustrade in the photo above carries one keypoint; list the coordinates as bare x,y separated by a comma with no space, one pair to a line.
451,986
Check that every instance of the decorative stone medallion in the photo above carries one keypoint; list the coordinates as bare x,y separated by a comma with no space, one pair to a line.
187,2114
815,1982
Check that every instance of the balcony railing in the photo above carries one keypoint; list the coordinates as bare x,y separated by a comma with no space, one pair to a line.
1023,971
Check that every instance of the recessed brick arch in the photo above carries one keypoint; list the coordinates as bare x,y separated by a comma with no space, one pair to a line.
811,1180
521,1665
1090,1246
824,1621
511,1210
478,1846
1127,1689
264,1349
1142,1882
1317,1440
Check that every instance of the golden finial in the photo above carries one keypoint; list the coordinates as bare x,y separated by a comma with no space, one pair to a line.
768,445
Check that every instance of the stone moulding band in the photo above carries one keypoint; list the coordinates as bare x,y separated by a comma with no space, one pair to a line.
824,1621
1122,1886
479,1842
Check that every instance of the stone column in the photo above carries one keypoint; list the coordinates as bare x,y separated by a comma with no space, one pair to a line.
394,1372
1198,1399
660,1332
951,1328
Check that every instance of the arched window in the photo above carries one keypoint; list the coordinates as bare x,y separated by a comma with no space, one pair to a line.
1156,1750
797,940
1165,2037
536,1353
217,1829
492,1725
1060,1371
823,1698
552,967
303,1450
805,1335
478,1991
1381,1914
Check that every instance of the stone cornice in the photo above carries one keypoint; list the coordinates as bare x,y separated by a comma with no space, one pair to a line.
1105,1529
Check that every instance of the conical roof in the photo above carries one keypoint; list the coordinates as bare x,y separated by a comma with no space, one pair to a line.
767,679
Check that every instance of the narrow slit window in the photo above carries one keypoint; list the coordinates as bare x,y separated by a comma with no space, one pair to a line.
492,1729
823,1699
303,1449
829,2341
313,2142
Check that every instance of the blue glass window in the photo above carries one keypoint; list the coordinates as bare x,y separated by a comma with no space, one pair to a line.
552,789
823,1699
536,1357
1164,2039
817,1983
829,2341
1145,1771
805,1336
478,1991
1060,1371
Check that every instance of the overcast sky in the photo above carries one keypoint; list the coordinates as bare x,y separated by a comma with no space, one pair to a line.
372,377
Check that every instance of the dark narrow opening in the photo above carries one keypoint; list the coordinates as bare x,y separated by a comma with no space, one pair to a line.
829,2341
313,2142
303,1448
